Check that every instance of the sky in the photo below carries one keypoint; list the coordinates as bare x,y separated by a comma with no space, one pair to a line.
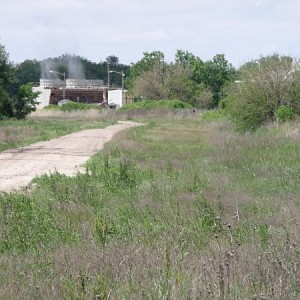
95,29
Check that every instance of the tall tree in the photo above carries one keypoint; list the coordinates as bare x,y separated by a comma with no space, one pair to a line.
25,101
6,78
6,67
214,74
150,59
28,71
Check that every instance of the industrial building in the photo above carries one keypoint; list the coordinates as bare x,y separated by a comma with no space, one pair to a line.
79,90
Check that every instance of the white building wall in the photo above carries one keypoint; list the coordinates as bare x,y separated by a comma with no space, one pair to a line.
44,97
115,98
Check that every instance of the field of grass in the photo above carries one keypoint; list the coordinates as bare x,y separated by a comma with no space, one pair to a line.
181,208
43,125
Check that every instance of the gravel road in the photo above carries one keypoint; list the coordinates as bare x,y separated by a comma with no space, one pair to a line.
65,155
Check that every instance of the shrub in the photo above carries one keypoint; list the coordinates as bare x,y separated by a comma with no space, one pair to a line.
284,113
247,115
71,106
264,86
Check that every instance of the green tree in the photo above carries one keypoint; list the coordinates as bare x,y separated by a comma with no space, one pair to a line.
150,83
155,79
214,74
6,68
6,105
25,102
189,82
264,86
185,58
28,71
113,61
6,79
147,63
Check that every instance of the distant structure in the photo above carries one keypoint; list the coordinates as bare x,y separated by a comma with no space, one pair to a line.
52,91
79,90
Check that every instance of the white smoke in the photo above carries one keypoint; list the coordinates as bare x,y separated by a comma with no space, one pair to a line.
71,63
47,66
75,68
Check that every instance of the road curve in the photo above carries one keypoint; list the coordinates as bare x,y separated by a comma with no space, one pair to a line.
64,155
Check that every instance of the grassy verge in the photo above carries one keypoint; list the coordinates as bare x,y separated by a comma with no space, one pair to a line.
39,127
178,209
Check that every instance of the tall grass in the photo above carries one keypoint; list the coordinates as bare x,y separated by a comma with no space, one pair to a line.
180,208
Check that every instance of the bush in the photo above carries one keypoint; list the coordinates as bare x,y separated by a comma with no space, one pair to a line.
71,106
264,87
156,104
247,115
284,113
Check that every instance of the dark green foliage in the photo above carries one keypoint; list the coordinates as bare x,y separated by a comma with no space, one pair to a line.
28,71
6,105
247,115
6,78
6,68
214,74
16,100
284,113
25,101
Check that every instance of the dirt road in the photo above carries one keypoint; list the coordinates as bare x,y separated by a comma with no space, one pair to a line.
65,155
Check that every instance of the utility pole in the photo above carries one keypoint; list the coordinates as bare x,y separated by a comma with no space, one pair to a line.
108,76
64,82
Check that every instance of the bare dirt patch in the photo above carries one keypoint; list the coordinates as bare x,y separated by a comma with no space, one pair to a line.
65,155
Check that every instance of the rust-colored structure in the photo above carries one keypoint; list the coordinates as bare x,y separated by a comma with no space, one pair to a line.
84,95
78,90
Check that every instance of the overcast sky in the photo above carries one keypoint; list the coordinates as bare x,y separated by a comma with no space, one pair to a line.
94,29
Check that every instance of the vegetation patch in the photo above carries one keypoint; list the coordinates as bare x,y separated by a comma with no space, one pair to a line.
73,106
156,104
16,133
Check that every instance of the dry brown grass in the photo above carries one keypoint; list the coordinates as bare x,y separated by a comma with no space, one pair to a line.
91,114
12,134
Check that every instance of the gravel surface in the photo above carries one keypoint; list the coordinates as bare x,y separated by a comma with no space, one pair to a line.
64,155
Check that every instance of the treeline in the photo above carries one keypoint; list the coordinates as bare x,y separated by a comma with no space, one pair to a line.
188,78
259,91
74,66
